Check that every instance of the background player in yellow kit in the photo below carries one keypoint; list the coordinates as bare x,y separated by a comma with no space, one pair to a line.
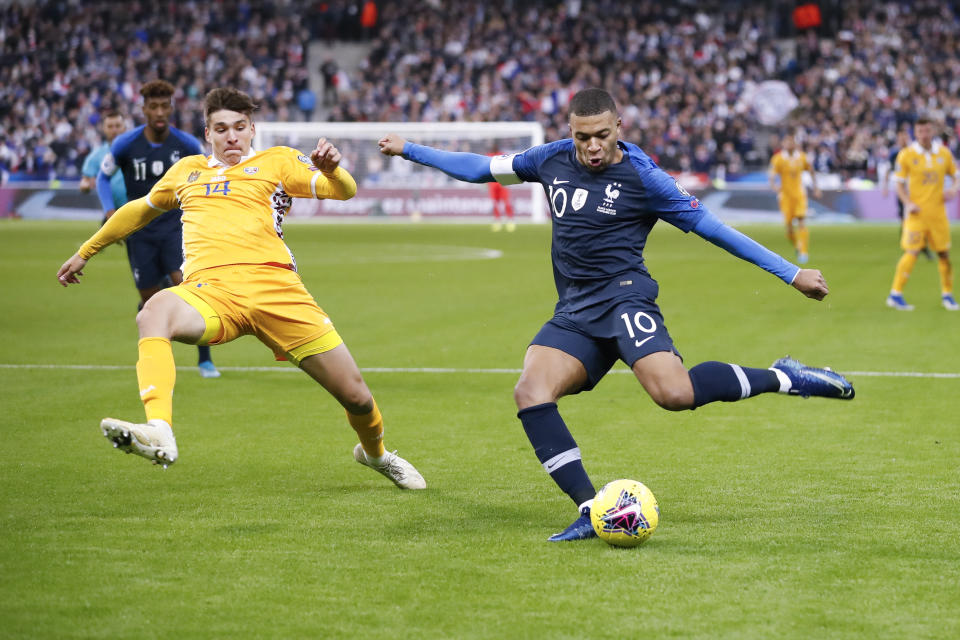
919,174
239,278
788,165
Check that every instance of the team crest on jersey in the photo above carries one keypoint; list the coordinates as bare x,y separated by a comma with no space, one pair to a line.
251,170
193,176
175,156
304,159
579,199
611,193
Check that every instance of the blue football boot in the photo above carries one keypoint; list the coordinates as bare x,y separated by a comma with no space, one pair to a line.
581,529
809,381
896,301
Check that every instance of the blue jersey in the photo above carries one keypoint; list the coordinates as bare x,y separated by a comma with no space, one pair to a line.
91,167
601,219
143,163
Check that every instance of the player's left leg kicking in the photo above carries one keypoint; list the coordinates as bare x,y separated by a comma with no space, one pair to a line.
165,316
563,360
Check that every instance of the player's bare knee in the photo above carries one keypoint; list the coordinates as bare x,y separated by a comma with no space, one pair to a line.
673,398
357,399
526,395
151,323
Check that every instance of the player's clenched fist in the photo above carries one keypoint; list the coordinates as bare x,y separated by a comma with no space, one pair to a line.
325,157
391,144
810,282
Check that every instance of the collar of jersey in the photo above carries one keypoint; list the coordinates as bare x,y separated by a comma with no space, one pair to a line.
934,147
212,161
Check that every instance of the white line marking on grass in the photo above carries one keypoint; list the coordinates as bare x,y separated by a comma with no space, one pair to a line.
283,369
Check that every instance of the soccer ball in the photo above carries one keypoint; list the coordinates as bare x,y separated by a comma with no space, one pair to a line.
625,513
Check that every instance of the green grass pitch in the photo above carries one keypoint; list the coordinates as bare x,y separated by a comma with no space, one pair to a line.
781,517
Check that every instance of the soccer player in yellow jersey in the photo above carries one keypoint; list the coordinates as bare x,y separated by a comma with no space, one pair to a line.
788,165
239,278
919,174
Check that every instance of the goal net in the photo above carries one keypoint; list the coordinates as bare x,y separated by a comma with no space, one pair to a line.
391,187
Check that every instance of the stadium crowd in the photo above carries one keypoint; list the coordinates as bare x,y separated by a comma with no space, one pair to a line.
62,63
691,78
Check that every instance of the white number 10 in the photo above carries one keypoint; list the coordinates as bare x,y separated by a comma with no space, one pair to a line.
640,321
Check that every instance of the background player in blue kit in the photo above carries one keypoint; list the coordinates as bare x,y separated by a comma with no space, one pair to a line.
143,155
111,125
605,196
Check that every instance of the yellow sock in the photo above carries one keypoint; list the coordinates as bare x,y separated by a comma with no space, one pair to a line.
803,239
156,373
369,428
904,267
946,276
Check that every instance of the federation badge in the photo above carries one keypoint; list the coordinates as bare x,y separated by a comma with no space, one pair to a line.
251,170
579,199
193,176
304,159
175,156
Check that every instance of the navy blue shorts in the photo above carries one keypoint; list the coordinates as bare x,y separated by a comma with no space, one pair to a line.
628,330
153,256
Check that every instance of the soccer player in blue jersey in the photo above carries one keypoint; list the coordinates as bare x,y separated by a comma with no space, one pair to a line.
142,156
605,196
111,125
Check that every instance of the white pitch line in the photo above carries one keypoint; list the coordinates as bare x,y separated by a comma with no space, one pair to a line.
286,369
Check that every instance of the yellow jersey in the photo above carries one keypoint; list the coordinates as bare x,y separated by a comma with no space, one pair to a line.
231,215
923,173
790,168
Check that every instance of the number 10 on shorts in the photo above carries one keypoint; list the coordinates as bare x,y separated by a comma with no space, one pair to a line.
642,322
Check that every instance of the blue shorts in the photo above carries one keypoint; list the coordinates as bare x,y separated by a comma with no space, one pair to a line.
154,256
629,329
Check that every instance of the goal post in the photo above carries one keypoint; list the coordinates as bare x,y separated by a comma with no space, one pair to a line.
394,188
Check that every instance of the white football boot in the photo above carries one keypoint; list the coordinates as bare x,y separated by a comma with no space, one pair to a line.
153,441
402,473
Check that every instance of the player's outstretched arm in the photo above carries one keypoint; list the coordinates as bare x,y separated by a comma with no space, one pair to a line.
468,167
129,218
810,283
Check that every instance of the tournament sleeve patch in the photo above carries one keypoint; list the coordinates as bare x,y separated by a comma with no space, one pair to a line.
109,165
501,168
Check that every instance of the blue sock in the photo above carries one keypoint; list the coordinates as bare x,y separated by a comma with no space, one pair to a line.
557,450
203,354
714,381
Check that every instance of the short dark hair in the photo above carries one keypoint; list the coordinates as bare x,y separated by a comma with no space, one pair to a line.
157,89
229,99
924,120
591,102
111,113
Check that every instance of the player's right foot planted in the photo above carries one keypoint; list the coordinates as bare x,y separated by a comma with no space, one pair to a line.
581,529
949,303
810,381
155,442
401,473
208,369
896,301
